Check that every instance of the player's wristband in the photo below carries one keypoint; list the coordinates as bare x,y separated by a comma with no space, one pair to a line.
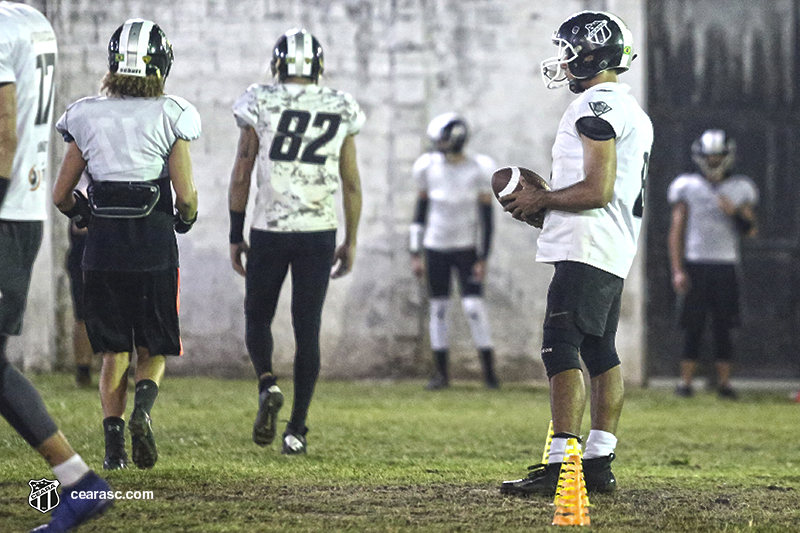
237,227
4,183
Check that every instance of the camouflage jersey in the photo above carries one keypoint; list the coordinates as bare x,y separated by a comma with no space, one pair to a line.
300,129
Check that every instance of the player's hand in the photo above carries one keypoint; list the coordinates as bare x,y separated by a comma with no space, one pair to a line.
183,226
728,207
681,282
417,265
479,271
526,204
343,259
80,213
236,257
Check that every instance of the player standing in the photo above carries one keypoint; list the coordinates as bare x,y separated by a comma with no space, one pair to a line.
454,213
28,54
303,137
710,211
134,142
590,234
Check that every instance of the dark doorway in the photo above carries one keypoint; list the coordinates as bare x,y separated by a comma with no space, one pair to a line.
734,65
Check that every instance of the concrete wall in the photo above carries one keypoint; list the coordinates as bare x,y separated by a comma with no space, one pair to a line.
405,61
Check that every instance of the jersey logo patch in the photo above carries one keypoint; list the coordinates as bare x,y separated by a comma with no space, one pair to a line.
599,108
597,32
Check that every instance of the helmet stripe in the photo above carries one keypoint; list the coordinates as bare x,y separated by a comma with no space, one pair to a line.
291,55
308,53
133,43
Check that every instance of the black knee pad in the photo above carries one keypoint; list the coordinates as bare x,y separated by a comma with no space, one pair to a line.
600,353
560,350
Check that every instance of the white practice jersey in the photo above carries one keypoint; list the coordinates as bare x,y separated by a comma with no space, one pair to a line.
711,235
128,138
28,60
453,218
300,129
605,238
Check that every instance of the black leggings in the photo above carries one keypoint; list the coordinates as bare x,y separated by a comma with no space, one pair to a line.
310,256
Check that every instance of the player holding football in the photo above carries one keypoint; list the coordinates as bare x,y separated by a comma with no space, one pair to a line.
710,211
303,137
454,212
28,55
134,143
590,234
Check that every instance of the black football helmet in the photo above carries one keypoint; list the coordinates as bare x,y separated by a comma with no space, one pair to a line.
297,54
140,48
714,143
589,43
448,133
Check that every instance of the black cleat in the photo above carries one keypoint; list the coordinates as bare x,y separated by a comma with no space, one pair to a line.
541,480
294,442
438,382
727,393
598,475
115,459
684,391
143,443
264,426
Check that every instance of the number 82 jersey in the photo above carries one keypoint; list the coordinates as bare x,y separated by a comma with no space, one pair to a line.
300,129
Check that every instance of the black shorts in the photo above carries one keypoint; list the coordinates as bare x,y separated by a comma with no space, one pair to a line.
440,266
714,289
583,296
19,245
127,309
77,241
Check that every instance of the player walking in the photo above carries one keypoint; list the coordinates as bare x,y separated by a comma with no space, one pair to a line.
454,216
28,55
134,142
303,137
590,233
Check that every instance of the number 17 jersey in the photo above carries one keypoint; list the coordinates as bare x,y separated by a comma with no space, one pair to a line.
300,130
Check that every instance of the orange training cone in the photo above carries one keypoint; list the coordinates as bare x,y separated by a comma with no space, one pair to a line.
572,503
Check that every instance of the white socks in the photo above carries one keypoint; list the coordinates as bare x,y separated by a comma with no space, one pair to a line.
558,446
71,471
599,444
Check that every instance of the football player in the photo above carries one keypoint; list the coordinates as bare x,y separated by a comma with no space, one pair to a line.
303,137
710,211
134,143
28,55
590,234
453,223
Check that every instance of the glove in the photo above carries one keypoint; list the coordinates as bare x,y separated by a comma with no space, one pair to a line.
81,213
182,226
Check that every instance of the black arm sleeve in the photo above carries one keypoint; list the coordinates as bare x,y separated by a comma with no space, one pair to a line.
4,183
421,213
595,128
744,225
237,227
487,225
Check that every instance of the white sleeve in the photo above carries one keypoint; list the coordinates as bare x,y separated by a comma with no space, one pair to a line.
7,62
419,172
245,108
603,106
676,191
487,166
184,117
356,118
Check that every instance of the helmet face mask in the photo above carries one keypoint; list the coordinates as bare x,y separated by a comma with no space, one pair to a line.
140,48
297,54
714,153
448,133
589,42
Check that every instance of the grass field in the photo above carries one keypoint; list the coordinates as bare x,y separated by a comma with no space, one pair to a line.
392,457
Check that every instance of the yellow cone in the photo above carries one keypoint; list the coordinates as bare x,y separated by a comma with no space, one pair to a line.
572,502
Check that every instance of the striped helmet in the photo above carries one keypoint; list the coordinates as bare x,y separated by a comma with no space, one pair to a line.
139,48
297,54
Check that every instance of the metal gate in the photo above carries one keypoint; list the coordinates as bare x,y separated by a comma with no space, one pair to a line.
735,65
